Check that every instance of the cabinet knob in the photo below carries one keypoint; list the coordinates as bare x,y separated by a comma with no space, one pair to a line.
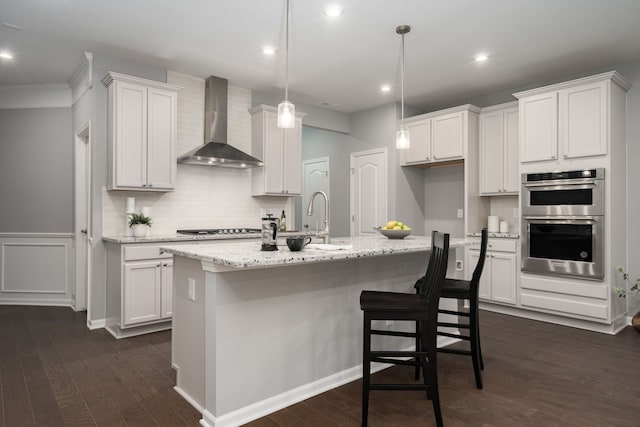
554,157
159,265
165,264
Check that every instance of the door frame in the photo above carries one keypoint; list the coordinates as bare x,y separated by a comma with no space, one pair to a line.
305,191
82,217
352,198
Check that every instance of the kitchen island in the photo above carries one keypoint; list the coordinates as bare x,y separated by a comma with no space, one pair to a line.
254,331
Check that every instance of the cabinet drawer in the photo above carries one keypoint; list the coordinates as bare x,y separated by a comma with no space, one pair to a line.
133,253
498,245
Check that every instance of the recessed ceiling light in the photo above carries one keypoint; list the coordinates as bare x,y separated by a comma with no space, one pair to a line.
268,50
11,26
333,10
6,55
481,57
385,88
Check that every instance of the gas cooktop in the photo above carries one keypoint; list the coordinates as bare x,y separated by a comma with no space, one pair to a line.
220,231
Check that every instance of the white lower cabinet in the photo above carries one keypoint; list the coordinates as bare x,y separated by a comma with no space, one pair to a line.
147,291
499,276
139,288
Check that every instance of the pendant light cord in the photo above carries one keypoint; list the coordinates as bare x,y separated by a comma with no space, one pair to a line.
286,44
401,87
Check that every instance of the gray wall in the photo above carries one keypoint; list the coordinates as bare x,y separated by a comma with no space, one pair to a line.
444,193
337,146
36,171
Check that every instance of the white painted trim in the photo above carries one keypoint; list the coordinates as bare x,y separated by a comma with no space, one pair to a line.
82,79
612,329
512,104
35,96
465,107
611,75
290,397
37,302
111,76
22,235
189,399
65,249
96,324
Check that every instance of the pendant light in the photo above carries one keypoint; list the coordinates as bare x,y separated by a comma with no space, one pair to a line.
402,136
286,110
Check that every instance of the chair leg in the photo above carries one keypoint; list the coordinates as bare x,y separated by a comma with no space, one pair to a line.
366,368
474,341
430,377
417,370
478,335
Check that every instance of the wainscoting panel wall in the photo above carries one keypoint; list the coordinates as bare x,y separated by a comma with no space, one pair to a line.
36,268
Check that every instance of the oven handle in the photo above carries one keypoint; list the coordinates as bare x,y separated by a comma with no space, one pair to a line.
584,183
564,219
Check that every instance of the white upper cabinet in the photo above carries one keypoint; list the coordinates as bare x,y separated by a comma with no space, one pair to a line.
568,120
441,136
539,128
583,120
499,150
281,152
420,141
447,136
142,132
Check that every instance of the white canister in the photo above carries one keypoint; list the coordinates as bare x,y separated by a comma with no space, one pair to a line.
504,227
493,224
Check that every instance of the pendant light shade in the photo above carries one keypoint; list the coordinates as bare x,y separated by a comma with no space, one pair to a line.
286,110
402,136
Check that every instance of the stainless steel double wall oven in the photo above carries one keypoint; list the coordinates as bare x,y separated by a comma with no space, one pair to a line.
563,223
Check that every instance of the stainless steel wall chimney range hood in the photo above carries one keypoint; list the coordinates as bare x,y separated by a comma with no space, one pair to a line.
216,151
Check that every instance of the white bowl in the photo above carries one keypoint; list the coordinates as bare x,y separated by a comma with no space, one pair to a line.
394,234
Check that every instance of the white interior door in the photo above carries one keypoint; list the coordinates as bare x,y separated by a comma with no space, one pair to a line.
82,218
368,191
315,178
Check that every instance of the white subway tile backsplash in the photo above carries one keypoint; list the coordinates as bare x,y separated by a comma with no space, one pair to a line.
204,196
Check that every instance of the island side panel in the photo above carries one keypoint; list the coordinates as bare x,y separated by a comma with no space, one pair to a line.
287,327
188,335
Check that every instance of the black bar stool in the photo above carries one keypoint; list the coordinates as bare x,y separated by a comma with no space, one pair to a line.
422,308
466,290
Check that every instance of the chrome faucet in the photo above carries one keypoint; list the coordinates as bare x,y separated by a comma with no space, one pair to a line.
325,232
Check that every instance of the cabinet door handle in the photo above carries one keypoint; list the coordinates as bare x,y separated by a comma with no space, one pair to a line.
554,157
165,264
159,265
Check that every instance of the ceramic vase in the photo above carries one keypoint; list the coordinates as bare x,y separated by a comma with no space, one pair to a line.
139,230
635,322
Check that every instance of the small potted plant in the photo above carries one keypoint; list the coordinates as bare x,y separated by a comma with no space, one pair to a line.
634,287
139,224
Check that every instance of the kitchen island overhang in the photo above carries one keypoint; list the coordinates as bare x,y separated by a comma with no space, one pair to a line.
249,340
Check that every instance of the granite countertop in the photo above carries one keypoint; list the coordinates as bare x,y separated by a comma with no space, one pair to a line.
496,235
249,255
175,237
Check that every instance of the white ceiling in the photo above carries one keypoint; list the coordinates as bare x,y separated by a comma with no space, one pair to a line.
337,60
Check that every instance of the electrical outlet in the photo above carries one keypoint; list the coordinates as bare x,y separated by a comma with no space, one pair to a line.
459,265
460,213
192,289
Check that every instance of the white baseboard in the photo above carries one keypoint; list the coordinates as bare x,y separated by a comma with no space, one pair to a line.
36,301
96,324
290,397
611,329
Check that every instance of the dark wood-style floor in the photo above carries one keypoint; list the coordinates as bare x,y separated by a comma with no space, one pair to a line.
55,372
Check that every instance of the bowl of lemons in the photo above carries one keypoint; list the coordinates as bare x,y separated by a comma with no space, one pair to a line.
395,230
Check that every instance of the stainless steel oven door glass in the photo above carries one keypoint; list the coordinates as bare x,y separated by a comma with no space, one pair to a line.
571,193
563,246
